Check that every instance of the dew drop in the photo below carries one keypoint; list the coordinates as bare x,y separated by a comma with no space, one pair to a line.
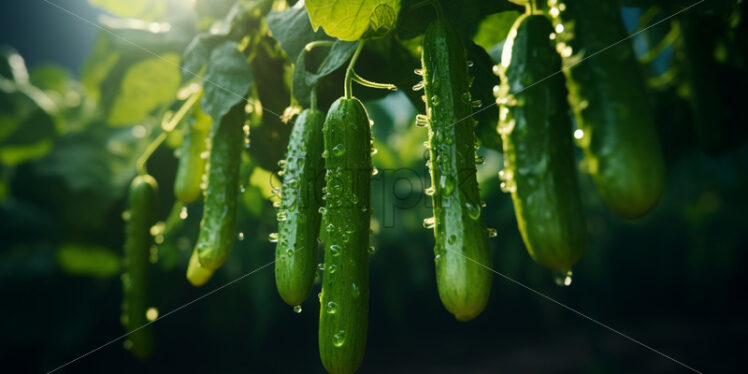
297,309
562,277
338,150
332,307
335,250
240,236
429,223
273,237
492,233
338,339
422,120
183,213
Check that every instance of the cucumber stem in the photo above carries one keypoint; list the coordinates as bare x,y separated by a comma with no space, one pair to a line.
140,164
349,73
364,82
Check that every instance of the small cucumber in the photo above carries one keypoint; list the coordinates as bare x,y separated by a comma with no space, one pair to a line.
218,224
538,151
462,256
138,241
192,159
345,286
299,216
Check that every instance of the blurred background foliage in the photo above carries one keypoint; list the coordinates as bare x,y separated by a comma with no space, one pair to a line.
73,122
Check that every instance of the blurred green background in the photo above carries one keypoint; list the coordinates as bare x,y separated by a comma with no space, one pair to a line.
671,280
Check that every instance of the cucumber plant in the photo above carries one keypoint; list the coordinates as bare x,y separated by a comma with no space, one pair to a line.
538,151
462,256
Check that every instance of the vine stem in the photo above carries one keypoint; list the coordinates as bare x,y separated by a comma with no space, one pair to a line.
349,73
438,8
313,98
148,152
167,125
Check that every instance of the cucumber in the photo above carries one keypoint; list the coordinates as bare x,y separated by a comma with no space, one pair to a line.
462,256
608,96
218,224
345,286
187,184
138,241
299,216
538,151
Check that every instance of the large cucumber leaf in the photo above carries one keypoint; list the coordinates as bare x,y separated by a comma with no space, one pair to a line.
353,19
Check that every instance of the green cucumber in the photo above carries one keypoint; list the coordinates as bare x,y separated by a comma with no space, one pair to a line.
538,150
218,224
138,241
462,256
608,96
345,286
299,216
189,179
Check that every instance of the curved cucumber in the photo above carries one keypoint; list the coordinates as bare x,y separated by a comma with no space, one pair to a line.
299,217
608,97
538,152
345,285
462,256
218,225
191,161
138,240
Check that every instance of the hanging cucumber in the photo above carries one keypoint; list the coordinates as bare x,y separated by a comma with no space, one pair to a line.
462,257
538,152
608,97
344,309
345,285
192,159
299,216
138,241
218,225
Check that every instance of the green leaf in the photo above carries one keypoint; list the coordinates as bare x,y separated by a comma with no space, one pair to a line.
228,78
146,85
353,19
94,261
304,81
292,29
493,29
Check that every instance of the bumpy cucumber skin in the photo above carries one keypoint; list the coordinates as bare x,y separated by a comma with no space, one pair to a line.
196,274
344,300
608,96
538,151
218,225
191,163
462,255
138,240
301,195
